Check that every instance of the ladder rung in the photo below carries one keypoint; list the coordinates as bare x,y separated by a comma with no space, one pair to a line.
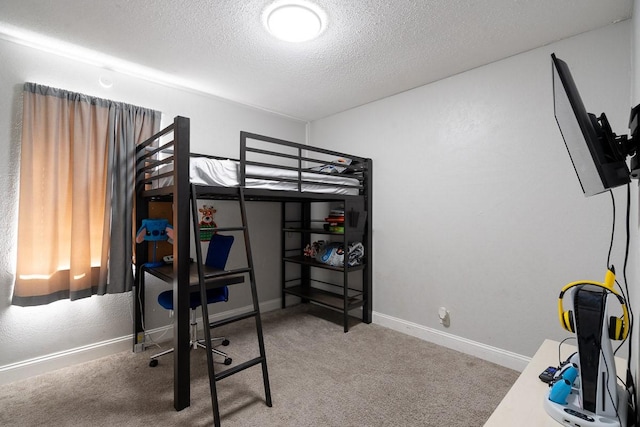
241,367
215,229
232,319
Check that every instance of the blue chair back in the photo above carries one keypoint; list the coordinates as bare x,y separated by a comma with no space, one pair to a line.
218,252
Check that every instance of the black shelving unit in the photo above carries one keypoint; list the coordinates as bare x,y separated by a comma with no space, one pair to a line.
303,276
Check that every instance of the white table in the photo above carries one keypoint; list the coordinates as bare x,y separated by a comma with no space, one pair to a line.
522,406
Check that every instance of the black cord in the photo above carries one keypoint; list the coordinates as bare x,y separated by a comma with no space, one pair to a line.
624,290
606,386
613,228
630,386
560,345
609,266
624,297
621,381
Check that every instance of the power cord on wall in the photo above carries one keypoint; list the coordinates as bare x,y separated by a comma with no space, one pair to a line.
148,340
629,384
613,228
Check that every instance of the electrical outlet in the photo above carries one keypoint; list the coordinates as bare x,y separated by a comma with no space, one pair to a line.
445,318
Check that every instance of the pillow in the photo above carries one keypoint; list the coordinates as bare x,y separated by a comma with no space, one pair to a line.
333,168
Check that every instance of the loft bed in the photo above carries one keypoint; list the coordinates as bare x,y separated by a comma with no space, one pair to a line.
295,175
268,169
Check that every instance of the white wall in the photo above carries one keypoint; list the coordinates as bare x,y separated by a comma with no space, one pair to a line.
476,204
34,339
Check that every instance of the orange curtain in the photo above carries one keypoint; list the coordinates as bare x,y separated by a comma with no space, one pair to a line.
76,165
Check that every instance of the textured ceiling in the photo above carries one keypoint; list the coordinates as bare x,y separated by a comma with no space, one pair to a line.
369,50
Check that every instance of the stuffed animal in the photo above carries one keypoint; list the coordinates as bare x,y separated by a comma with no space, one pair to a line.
311,250
207,224
155,230
207,212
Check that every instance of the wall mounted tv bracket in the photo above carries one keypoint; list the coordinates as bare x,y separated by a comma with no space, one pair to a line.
623,145
631,144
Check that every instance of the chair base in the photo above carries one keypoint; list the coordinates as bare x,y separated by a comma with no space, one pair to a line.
195,343
153,360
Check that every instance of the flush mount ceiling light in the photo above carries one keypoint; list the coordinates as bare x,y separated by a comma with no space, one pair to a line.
294,22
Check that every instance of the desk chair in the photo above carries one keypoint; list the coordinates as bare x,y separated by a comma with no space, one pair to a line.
217,254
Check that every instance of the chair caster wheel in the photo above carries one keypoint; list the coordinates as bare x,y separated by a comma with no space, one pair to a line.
153,363
225,342
228,361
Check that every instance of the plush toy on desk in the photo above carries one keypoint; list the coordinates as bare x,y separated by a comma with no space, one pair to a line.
154,230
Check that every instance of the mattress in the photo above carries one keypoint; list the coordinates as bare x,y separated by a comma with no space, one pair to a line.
225,173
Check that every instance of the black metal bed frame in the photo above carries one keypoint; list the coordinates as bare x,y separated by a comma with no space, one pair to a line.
171,146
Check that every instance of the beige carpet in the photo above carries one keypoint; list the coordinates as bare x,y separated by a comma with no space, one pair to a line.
320,376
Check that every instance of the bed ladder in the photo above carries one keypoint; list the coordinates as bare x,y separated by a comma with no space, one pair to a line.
255,313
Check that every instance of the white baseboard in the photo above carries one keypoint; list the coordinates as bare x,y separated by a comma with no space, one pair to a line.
62,359
492,354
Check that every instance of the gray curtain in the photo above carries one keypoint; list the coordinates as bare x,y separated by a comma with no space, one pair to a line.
75,228
133,126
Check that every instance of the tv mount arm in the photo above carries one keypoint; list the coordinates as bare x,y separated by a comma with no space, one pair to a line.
632,143
625,145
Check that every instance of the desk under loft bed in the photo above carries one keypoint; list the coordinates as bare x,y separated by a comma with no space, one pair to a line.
302,178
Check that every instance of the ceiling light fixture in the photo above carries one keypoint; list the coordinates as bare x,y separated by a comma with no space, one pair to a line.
294,22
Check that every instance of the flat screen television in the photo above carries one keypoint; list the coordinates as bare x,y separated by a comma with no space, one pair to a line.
597,154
